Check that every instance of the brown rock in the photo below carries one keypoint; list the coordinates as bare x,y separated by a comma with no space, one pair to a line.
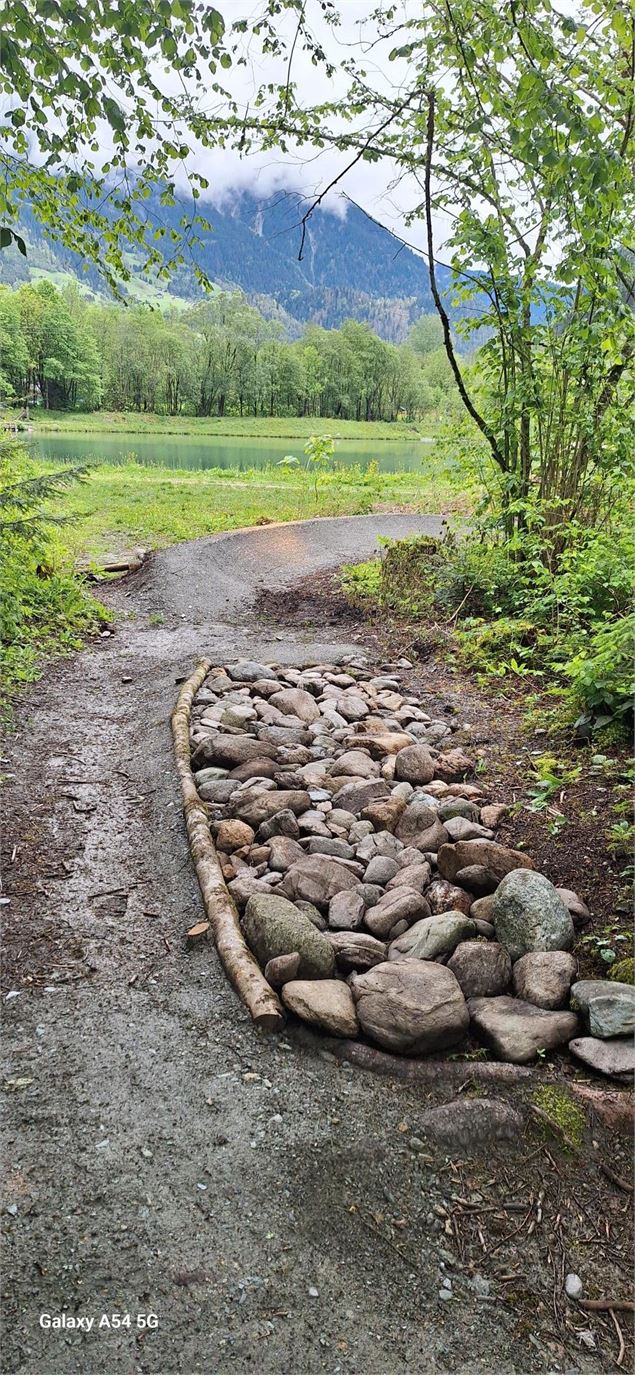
481,909
263,806
282,969
453,766
614,1109
356,795
410,1006
544,977
446,897
415,822
327,1003
468,1124
415,876
316,879
296,702
481,882
356,950
493,814
483,971
283,852
578,909
487,853
259,767
384,813
232,835
390,742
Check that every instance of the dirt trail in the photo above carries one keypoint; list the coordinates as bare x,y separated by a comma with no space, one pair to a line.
160,1156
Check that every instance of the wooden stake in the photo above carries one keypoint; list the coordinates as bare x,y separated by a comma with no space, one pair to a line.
236,957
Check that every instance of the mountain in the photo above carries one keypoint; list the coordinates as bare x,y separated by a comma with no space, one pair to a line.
350,267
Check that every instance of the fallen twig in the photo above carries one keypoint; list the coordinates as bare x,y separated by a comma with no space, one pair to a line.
605,1305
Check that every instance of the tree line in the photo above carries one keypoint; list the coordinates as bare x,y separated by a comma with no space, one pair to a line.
220,357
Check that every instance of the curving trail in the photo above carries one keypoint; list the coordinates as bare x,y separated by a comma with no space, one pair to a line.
162,1156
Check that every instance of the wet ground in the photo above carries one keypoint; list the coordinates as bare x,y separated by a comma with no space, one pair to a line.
214,1200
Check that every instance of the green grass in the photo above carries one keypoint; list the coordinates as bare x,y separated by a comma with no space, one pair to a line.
263,427
121,506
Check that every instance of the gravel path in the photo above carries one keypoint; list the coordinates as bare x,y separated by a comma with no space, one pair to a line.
162,1157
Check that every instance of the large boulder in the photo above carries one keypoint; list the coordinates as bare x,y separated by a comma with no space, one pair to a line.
356,950
414,765
327,1003
517,1031
296,702
410,1006
528,914
399,904
432,936
607,1008
317,878
259,807
544,977
483,969
613,1058
488,854
273,927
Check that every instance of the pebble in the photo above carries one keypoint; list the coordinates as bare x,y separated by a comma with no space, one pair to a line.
573,1286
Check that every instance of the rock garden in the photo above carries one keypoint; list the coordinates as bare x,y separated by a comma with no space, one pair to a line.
353,879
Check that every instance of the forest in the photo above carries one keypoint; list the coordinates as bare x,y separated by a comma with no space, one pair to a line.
63,351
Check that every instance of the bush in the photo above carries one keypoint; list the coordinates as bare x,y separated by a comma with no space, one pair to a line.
603,678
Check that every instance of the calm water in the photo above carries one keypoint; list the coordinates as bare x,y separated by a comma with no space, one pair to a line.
193,451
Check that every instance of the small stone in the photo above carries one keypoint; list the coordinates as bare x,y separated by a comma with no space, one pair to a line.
415,765
415,876
232,835
346,911
493,815
384,813
254,809
573,1286
282,969
381,869
446,897
327,1003
458,806
544,977
578,909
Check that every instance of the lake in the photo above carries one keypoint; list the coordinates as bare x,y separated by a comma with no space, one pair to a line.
196,451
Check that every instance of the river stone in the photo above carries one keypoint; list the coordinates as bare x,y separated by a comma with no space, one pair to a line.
458,806
356,763
516,1030
255,810
415,821
485,929
528,914
327,1003
316,879
384,812
493,814
614,1058
452,766
381,869
487,853
402,904
296,702
471,1123
415,876
330,845
414,764
481,909
431,937
248,671
578,909
218,790
479,880
389,742
353,797
311,911
346,911
230,750
259,767
483,971
237,715
544,977
273,927
356,950
459,828
232,835
410,1006
284,823
446,897
607,1007
210,776
282,969
371,893
381,843
283,852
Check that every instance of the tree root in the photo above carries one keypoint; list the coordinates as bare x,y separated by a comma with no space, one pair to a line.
416,1071
236,957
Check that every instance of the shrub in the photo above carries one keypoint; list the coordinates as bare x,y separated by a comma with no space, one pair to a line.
603,678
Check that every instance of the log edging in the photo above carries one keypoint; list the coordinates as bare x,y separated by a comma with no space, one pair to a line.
236,958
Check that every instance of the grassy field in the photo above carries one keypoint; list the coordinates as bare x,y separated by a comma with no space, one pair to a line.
122,506
263,427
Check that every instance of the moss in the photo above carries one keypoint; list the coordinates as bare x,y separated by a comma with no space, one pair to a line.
624,971
564,1113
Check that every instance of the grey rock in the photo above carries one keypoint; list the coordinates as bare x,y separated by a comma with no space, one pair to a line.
254,809
573,1286
353,797
381,870
273,927
483,971
209,775
471,1123
282,969
432,936
459,828
458,806
371,893
248,671
410,1006
528,914
416,876
327,1003
351,707
517,1030
284,822
607,1007
399,929
312,913
481,882
414,764
481,909
615,1058
346,911
400,904
417,820
316,879
359,831
283,852
296,702
544,977
230,750
356,950
578,909
356,763
220,791
330,846
381,843
485,929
